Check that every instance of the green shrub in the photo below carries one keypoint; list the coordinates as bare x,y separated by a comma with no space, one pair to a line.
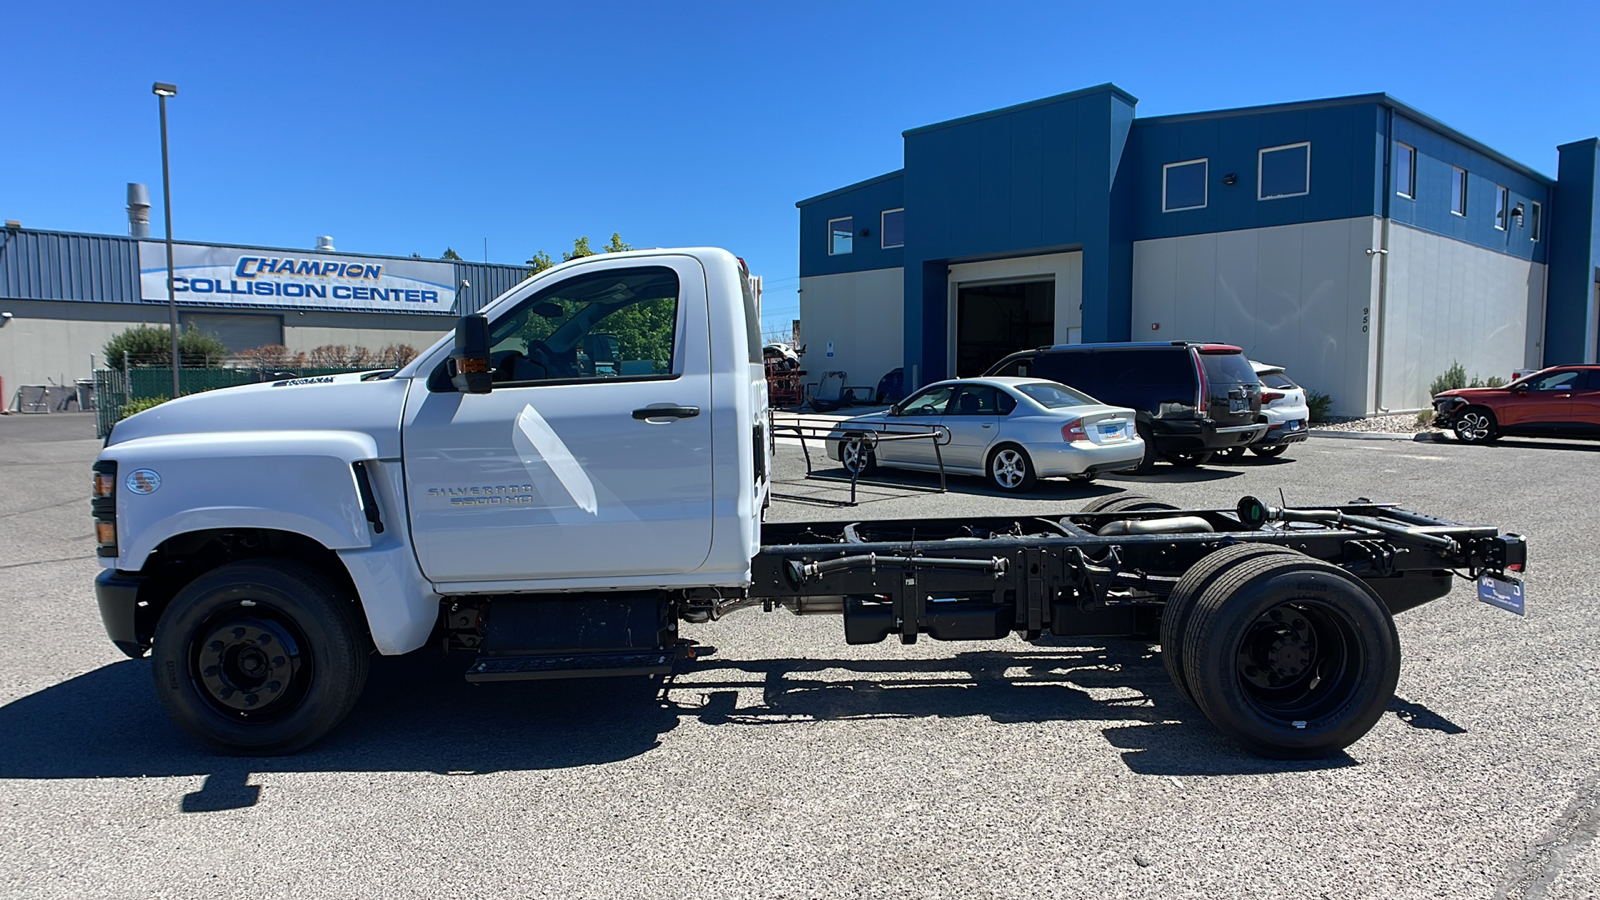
148,345
1495,381
1454,378
1319,403
140,405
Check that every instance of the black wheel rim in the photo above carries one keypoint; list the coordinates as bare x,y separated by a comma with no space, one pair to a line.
1299,661
249,663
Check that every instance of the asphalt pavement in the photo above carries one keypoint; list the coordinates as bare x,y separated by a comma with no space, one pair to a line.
792,765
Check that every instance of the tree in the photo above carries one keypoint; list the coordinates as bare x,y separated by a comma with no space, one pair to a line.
539,262
580,249
450,253
616,245
147,345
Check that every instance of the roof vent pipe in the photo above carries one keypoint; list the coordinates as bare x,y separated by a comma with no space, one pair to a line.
325,243
138,210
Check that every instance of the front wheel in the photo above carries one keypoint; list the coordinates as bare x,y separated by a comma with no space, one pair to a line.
857,457
1476,425
261,657
1011,470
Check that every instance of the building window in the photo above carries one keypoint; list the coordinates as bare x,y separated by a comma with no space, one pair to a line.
892,228
841,234
1501,199
1535,221
1405,170
1458,191
1183,185
1284,171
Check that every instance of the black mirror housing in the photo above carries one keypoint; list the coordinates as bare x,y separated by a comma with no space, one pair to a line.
470,371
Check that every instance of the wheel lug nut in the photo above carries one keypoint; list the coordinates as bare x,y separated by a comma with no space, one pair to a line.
273,686
238,633
278,661
250,699
265,639
214,646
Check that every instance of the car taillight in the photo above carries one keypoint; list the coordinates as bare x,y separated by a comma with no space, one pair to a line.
1074,431
103,505
1269,396
1201,399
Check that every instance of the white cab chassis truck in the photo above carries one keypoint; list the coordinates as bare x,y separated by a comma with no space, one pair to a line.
583,466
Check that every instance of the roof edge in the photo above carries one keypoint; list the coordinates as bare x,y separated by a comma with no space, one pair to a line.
1107,88
851,187
157,240
1380,99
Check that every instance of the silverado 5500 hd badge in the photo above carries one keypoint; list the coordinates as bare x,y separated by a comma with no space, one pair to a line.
485,495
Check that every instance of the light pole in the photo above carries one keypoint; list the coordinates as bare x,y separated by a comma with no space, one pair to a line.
163,91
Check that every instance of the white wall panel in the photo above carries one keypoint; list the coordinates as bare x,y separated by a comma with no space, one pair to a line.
1450,301
863,314
1290,295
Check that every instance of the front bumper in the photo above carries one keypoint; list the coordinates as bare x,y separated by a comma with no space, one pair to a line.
118,596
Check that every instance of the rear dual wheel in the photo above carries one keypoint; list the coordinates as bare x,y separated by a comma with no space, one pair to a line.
1289,656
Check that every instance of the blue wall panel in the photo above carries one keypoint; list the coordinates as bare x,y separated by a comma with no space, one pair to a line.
1343,168
49,265
1437,157
864,202
1574,230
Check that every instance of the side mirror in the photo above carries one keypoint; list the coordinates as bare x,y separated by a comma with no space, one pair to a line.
469,361
1521,389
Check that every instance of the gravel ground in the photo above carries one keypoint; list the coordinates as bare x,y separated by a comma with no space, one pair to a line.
1403,423
792,765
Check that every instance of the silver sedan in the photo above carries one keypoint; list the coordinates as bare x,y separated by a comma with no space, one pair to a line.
1011,431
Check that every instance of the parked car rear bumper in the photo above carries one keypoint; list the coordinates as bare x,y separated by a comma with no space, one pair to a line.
1172,436
1084,458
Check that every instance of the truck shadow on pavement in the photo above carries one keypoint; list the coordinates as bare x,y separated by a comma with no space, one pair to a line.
418,715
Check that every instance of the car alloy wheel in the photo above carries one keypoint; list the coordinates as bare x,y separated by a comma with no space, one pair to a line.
1011,470
1474,426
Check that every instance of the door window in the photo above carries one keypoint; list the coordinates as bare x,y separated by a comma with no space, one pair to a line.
930,402
979,400
616,323
1556,381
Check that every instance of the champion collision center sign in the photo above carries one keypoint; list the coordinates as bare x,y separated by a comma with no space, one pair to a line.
238,276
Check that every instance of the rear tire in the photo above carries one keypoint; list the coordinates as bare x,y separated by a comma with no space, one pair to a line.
1011,470
1180,603
1291,657
1476,425
1148,461
1188,459
1269,452
259,658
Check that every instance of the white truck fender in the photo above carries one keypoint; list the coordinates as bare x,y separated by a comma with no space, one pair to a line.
295,481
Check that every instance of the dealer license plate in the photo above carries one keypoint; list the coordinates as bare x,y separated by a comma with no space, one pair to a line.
1293,426
1111,431
1505,593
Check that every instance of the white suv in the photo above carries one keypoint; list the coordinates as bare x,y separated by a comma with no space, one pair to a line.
1284,404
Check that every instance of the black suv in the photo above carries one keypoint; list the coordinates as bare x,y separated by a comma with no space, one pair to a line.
1192,399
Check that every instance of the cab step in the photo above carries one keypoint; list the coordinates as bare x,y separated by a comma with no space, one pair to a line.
602,664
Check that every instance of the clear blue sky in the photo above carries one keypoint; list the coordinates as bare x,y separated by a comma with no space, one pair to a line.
407,127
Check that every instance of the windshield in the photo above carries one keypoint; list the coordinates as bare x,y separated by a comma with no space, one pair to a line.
1051,395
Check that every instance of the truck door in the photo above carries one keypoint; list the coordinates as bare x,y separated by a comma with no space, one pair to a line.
573,466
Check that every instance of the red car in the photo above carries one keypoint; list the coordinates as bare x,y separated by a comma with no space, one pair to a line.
1562,401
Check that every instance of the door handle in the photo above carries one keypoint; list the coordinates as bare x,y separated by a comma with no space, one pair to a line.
667,412
987,425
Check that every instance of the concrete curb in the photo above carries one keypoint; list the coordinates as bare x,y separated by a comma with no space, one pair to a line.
1419,436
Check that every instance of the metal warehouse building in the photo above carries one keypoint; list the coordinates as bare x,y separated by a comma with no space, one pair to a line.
64,295
1355,240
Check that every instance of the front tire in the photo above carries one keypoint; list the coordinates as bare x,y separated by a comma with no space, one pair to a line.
856,456
1291,657
261,657
1476,425
1011,470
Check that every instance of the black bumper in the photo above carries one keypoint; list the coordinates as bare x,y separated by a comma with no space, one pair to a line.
1277,435
118,596
1177,435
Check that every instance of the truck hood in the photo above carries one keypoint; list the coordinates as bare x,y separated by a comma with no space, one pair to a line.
321,403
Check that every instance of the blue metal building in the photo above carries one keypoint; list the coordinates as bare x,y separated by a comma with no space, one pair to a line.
1355,240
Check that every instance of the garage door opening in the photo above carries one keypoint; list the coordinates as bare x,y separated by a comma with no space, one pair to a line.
993,320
